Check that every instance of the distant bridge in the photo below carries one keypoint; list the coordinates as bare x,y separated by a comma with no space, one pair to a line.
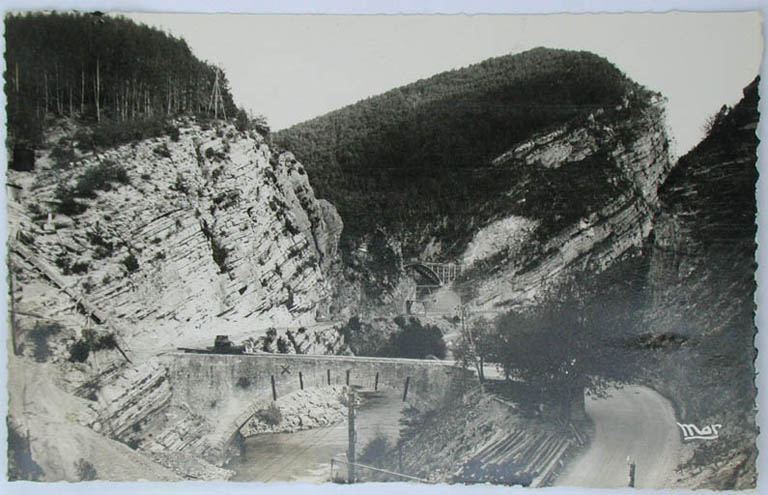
438,274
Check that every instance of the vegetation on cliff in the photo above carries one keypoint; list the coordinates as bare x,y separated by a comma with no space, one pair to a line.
702,284
105,70
408,158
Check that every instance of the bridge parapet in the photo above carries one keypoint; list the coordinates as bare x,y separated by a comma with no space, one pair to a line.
228,389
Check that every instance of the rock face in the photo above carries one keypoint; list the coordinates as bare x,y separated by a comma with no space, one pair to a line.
212,234
702,288
484,440
300,410
616,211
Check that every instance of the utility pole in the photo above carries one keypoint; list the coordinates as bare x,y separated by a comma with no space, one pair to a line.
468,335
352,435
217,99
13,306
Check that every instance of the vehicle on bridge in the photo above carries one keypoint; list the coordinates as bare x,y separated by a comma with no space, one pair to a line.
221,345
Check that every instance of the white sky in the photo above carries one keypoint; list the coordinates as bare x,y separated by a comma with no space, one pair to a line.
291,68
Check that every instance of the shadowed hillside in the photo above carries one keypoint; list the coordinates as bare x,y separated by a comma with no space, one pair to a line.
422,160
702,280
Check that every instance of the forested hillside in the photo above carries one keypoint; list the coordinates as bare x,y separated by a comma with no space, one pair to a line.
100,69
406,159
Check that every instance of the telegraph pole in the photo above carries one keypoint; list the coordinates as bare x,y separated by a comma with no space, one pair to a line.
13,306
352,435
468,335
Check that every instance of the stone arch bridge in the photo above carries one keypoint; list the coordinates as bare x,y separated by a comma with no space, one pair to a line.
227,390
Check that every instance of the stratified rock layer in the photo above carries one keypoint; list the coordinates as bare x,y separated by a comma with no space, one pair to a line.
702,280
213,234
535,258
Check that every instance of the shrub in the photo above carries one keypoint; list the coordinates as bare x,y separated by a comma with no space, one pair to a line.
162,150
90,341
100,178
131,263
180,184
219,254
39,336
271,415
63,155
268,339
111,133
63,262
79,352
282,345
290,227
85,470
106,341
21,465
104,248
80,267
375,450
243,382
68,205
415,340
174,133
97,178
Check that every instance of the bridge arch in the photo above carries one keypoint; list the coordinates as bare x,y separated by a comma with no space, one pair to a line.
210,386
425,271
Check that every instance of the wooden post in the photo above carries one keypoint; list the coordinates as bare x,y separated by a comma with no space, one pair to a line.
632,469
348,377
274,390
329,377
301,381
376,382
352,436
13,308
405,392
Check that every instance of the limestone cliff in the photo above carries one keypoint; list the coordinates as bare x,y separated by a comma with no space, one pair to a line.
164,242
213,233
702,288
588,200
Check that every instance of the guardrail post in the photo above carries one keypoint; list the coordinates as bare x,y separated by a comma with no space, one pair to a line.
274,390
632,468
348,377
376,382
301,381
329,377
405,392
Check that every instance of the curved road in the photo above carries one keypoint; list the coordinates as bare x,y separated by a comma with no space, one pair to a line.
634,421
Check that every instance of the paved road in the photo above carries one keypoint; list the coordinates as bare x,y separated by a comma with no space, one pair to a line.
637,422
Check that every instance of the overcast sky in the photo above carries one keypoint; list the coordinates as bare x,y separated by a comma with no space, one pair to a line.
292,68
